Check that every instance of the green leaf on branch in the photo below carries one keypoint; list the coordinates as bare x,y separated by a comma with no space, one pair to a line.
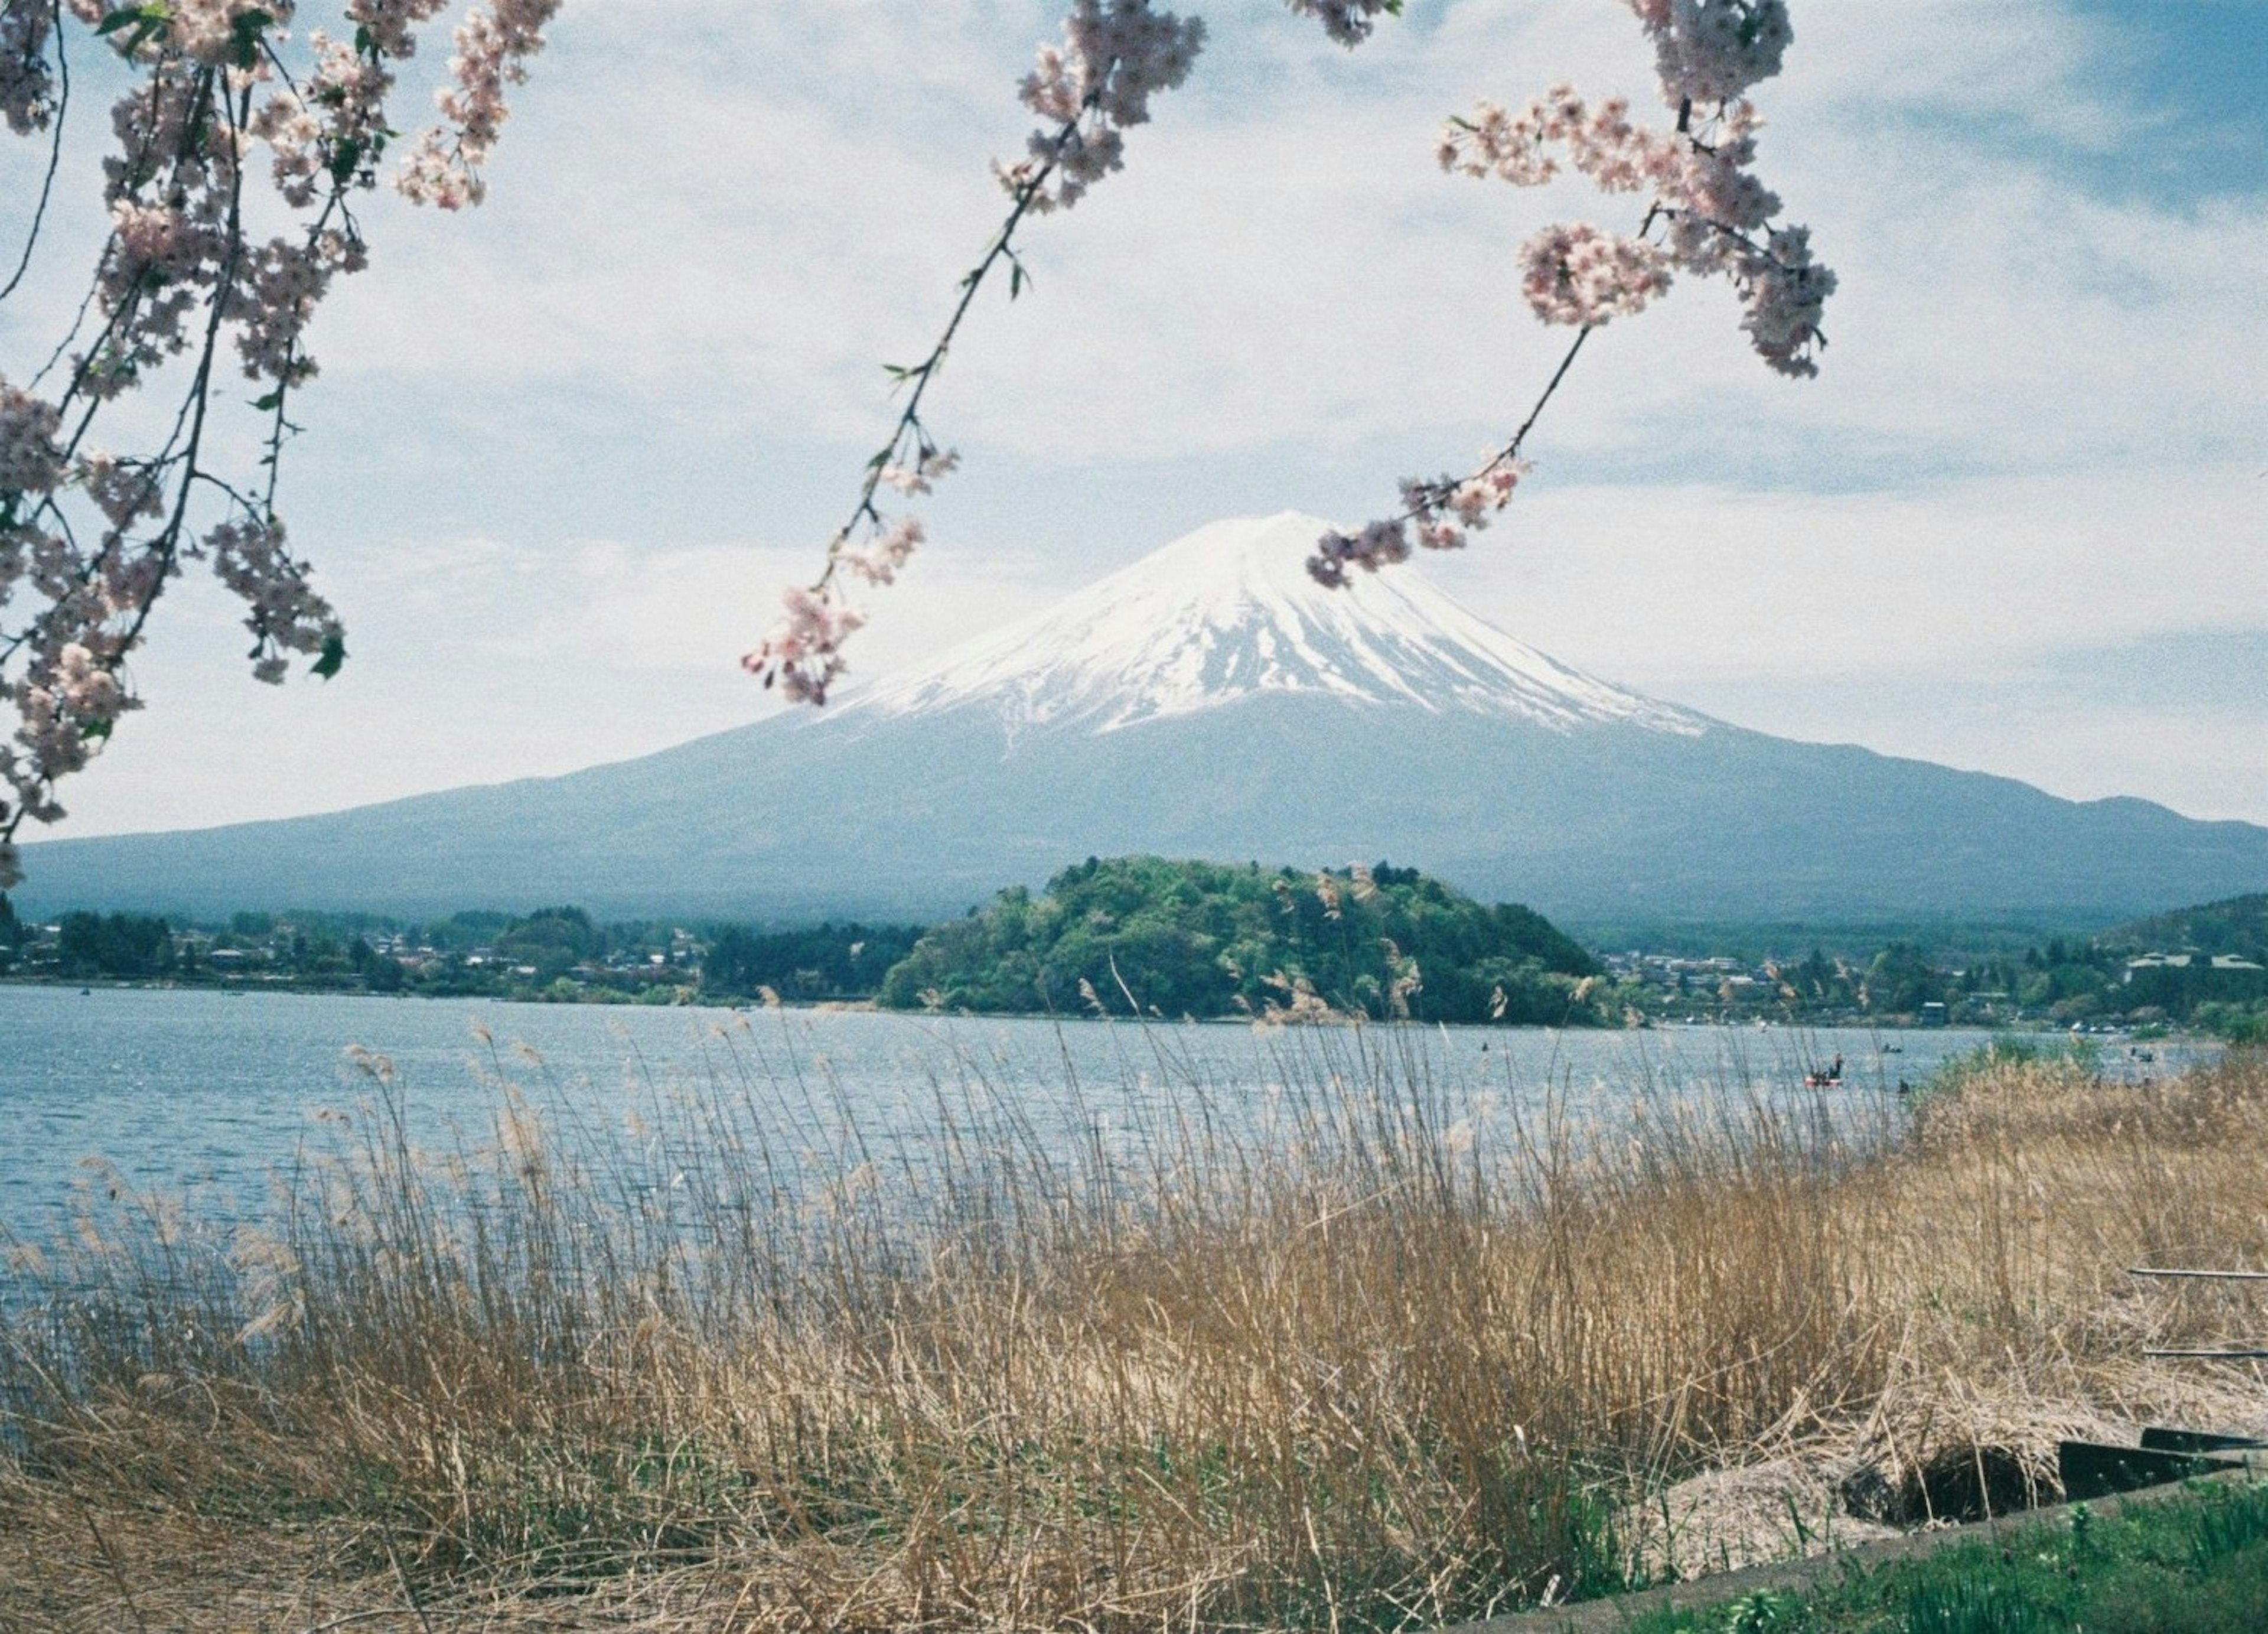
335,655
245,31
269,403
245,34
140,23
344,159
127,16
97,731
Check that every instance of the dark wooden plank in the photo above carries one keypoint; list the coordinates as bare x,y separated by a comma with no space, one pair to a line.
2165,1438
2089,1470
2210,1355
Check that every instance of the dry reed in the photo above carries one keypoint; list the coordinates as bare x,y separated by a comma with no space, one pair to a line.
1362,1368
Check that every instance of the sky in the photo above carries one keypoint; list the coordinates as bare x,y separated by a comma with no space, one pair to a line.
566,449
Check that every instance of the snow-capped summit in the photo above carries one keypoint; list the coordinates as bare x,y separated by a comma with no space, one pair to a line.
1229,611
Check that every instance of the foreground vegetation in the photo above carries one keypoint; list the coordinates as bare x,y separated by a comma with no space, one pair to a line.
2197,1564
1374,1364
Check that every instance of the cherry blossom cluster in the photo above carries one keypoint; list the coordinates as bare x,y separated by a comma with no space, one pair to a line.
1347,21
492,51
879,558
1116,55
1713,50
284,615
90,538
1714,215
28,86
1617,155
1438,515
922,476
1574,274
1708,215
803,655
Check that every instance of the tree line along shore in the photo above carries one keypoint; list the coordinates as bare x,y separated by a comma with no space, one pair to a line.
1148,936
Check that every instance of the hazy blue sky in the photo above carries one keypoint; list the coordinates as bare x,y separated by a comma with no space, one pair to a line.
566,449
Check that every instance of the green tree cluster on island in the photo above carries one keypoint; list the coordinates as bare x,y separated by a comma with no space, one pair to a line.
1174,938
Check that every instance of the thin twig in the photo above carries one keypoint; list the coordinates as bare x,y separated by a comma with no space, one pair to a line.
924,373
54,154
1434,493
117,1572
416,1604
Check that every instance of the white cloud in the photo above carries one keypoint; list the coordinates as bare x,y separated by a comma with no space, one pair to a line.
480,661
1670,588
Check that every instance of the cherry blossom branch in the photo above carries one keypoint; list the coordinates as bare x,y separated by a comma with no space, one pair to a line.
55,119
1712,209
1116,55
1468,497
177,275
817,622
928,462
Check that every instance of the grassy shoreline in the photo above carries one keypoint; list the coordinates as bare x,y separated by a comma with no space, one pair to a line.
1379,1370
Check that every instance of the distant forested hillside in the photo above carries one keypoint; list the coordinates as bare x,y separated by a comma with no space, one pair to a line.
1194,939
2237,925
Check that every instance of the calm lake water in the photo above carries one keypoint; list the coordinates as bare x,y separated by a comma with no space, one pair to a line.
207,1094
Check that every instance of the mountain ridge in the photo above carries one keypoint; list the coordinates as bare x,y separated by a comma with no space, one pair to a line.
1211,702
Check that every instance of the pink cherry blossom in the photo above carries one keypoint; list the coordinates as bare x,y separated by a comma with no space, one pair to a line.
1577,274
879,560
1116,55
492,51
1713,50
802,656
929,466
28,86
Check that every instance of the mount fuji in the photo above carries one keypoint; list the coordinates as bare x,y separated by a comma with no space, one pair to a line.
1212,701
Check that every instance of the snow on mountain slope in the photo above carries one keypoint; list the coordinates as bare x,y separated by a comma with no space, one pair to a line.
1229,611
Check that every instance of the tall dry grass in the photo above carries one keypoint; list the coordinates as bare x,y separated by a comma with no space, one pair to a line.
1366,1367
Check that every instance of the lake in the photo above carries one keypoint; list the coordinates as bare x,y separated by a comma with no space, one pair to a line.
205,1093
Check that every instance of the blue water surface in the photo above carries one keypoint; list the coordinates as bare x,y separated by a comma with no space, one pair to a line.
208,1096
